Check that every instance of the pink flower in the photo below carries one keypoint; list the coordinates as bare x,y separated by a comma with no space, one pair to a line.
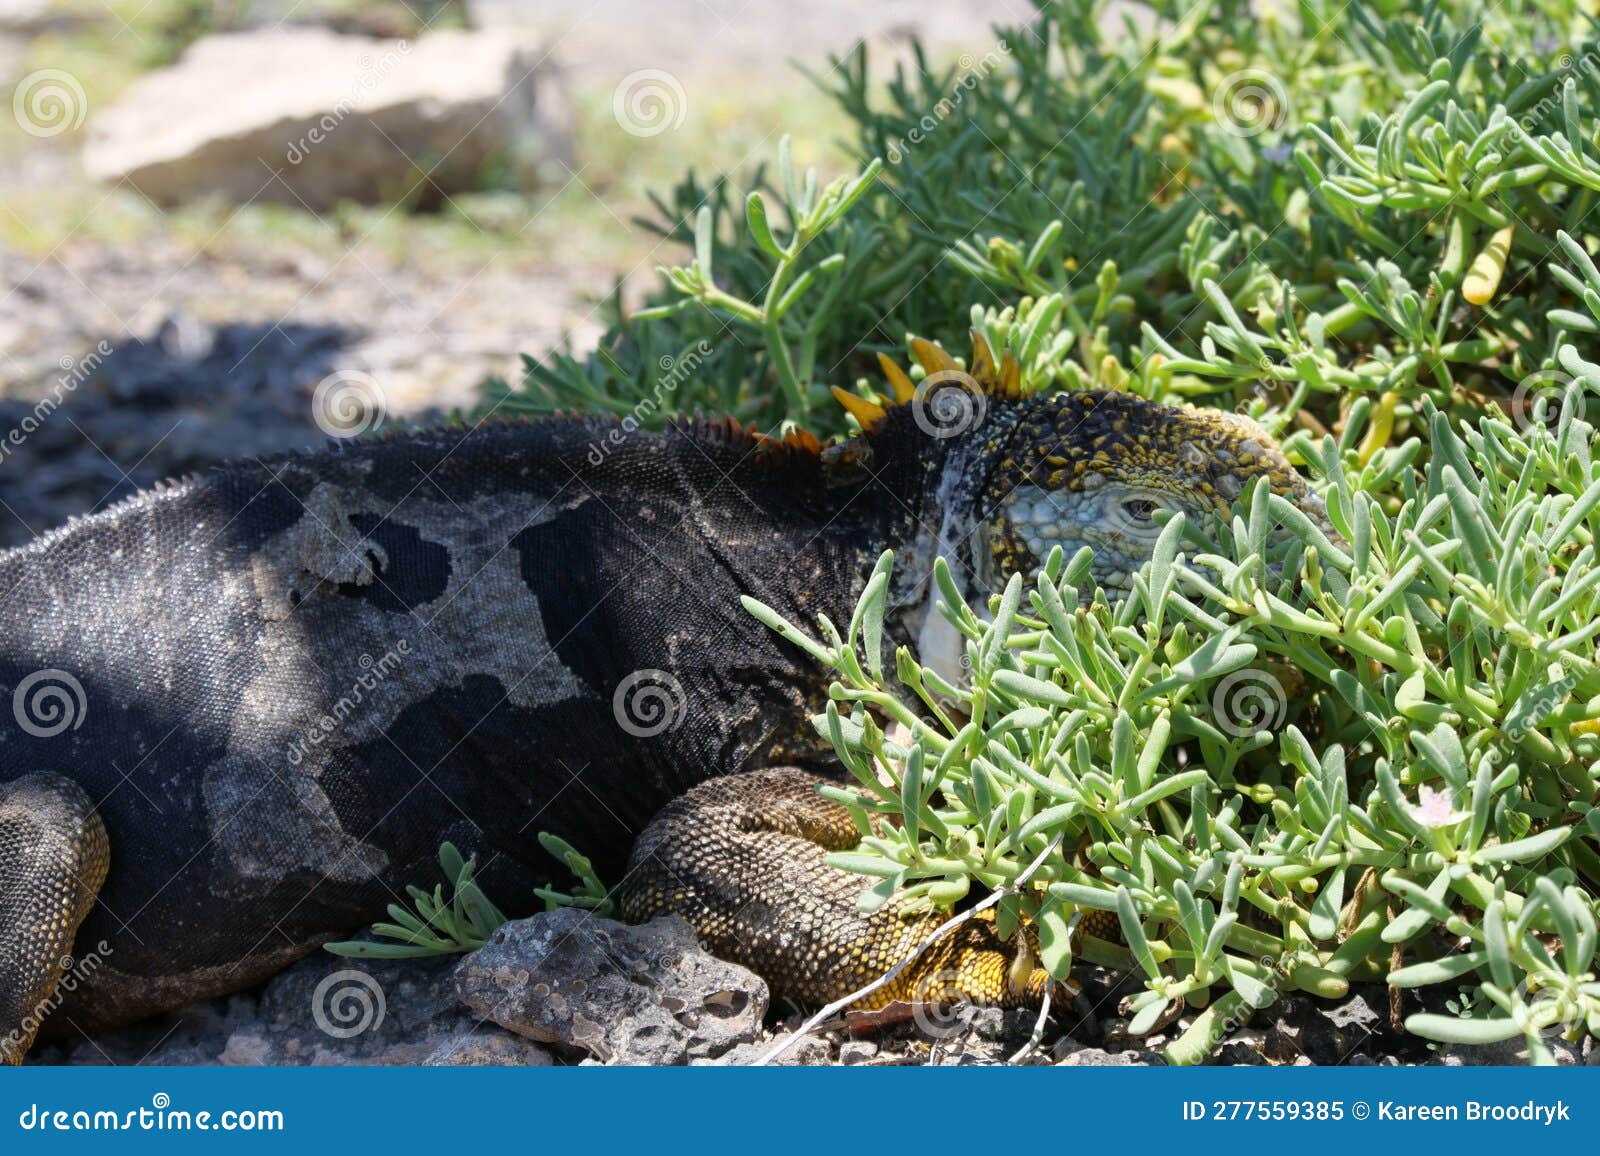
1436,809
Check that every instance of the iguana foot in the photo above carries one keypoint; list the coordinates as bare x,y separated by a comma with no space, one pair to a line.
743,859
53,859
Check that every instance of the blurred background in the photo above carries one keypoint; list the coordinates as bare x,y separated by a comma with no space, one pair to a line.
210,209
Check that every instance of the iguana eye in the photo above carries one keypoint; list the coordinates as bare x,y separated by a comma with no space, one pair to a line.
1139,509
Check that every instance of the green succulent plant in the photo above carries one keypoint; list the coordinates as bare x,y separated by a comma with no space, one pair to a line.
1289,760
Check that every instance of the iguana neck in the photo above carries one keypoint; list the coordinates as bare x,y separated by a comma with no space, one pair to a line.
809,527
930,487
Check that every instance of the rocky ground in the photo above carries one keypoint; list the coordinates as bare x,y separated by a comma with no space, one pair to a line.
568,987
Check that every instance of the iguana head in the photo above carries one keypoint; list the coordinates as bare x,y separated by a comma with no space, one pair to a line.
1096,469
1017,476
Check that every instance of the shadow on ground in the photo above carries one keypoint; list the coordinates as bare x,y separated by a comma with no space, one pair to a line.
142,411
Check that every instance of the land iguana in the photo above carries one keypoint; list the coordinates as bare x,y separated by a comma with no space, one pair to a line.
250,706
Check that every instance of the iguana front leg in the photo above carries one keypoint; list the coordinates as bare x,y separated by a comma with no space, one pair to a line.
53,859
744,860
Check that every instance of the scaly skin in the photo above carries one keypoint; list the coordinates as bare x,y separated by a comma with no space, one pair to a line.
743,859
299,677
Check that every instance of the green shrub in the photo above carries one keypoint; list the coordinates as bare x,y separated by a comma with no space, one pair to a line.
1286,761
1292,763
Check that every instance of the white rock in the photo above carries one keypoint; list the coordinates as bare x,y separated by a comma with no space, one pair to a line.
23,15
305,115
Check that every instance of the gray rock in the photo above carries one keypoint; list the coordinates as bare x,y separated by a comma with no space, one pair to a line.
1067,1054
1512,1052
307,116
857,1051
1302,1026
963,1058
992,1023
1355,1013
1242,1049
23,15
322,1010
626,995
808,1051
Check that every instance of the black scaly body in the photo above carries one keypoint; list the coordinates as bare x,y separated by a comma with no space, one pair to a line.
483,595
